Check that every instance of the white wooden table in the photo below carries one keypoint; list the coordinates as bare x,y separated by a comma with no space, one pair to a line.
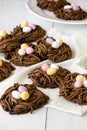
12,12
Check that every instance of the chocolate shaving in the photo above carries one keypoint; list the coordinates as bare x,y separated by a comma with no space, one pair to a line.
69,92
70,14
5,70
41,79
46,51
18,106
25,60
17,37
51,5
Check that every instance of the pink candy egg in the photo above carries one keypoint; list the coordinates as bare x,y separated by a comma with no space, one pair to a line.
33,26
78,84
22,89
75,7
45,67
49,40
29,50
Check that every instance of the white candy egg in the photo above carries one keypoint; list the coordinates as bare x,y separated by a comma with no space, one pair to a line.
27,29
67,7
85,83
54,66
16,94
55,45
21,52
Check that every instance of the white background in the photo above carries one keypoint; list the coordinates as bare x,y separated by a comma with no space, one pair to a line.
12,12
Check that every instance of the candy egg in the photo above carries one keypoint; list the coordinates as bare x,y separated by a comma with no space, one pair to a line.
16,94
78,84
75,7
3,33
27,29
21,52
33,26
29,50
60,41
55,45
54,66
24,46
0,62
51,71
67,7
80,78
49,40
24,24
22,88
25,95
85,83
45,67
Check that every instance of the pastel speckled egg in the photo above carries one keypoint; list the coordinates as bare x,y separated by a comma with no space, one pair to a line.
85,83
25,95
24,46
16,94
55,45
24,24
49,40
3,33
67,7
33,26
1,62
27,29
80,78
51,71
45,67
22,88
78,84
29,50
21,52
54,66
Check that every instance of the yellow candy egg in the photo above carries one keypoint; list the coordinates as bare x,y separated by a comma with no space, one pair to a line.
24,46
0,62
60,42
25,95
80,78
3,33
51,71
24,24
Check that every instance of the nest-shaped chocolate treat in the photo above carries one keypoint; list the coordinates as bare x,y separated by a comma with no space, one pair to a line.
57,51
70,13
51,5
48,78
21,57
74,88
20,35
5,69
20,99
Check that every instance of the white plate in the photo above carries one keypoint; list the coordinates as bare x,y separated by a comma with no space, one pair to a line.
49,16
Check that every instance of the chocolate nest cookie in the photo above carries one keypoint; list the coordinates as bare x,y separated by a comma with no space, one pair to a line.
21,99
25,32
74,88
5,69
57,51
25,55
51,5
48,76
71,12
